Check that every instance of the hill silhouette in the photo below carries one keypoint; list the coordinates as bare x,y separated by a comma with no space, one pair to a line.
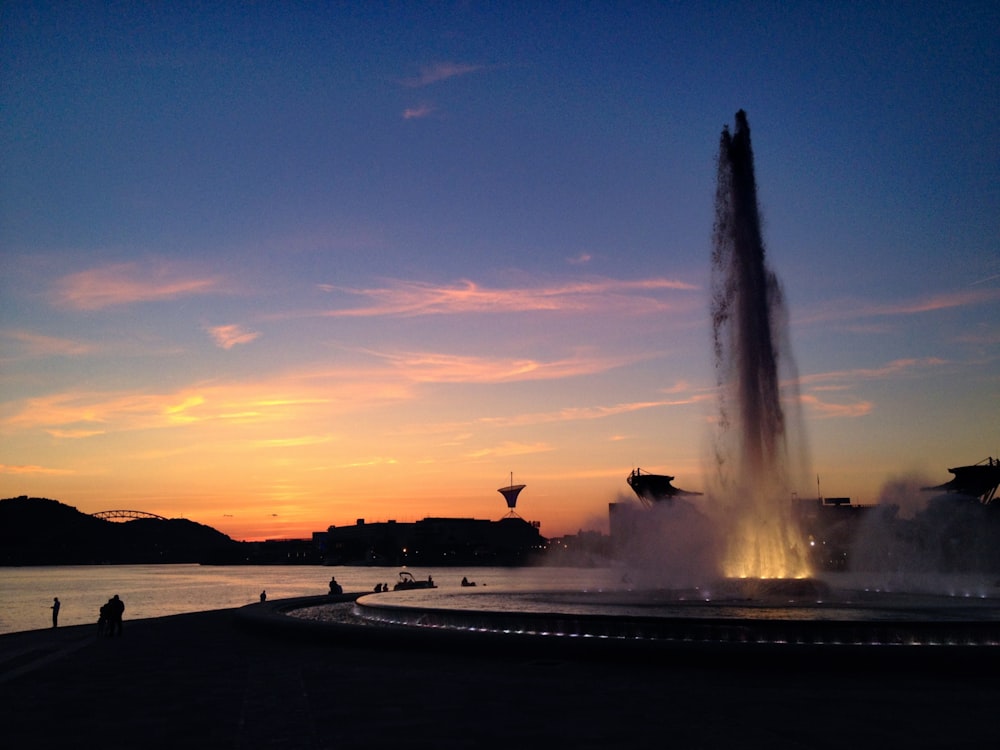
39,531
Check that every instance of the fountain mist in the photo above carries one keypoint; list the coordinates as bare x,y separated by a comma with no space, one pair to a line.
751,457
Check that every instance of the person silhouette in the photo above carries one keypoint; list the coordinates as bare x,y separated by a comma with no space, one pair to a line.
116,609
55,612
263,596
104,621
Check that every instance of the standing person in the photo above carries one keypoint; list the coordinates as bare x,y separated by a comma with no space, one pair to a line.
104,621
263,596
116,609
55,612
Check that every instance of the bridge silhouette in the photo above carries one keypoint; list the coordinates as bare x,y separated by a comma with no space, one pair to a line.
125,515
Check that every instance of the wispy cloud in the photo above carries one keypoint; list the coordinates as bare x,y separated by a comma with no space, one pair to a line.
293,396
890,369
987,279
437,367
368,461
843,381
584,413
39,345
983,336
511,448
75,414
410,298
823,408
461,430
418,112
229,336
30,469
943,301
388,378
127,283
294,442
74,434
440,71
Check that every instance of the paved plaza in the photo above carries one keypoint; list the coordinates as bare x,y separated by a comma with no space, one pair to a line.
211,680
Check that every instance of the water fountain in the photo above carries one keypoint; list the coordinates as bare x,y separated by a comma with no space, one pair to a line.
758,596
752,462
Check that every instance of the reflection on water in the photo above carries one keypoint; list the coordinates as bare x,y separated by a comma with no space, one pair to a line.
159,590
147,590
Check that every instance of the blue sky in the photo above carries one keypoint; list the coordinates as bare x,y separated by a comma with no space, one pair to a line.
273,266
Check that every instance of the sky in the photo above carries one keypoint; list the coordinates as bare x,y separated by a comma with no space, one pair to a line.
273,267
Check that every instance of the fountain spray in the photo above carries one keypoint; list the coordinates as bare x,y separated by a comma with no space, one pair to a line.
751,456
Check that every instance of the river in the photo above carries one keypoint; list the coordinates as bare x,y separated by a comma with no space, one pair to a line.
26,593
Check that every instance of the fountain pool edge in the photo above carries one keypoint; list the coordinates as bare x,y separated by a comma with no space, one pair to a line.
966,647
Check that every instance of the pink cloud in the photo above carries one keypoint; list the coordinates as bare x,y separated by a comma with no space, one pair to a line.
841,381
932,303
126,283
38,345
435,367
407,299
572,414
982,337
963,298
827,409
229,336
586,413
417,113
890,369
441,71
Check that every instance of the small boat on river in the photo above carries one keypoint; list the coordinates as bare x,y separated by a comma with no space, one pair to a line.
407,582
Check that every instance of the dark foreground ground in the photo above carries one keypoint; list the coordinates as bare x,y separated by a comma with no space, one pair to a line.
209,680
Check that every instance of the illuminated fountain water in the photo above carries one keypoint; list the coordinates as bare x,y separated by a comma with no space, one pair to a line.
752,459
744,530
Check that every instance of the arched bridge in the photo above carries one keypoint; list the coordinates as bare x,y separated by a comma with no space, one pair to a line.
125,515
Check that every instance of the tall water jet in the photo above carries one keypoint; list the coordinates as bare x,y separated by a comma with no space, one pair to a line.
751,453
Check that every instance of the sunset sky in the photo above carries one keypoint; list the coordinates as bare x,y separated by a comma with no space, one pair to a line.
277,266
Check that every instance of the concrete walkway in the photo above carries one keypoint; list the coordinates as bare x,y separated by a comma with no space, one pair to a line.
219,680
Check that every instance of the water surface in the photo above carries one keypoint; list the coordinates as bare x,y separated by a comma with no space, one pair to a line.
158,590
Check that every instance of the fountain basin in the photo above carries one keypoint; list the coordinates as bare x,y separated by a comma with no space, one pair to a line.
858,630
698,615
